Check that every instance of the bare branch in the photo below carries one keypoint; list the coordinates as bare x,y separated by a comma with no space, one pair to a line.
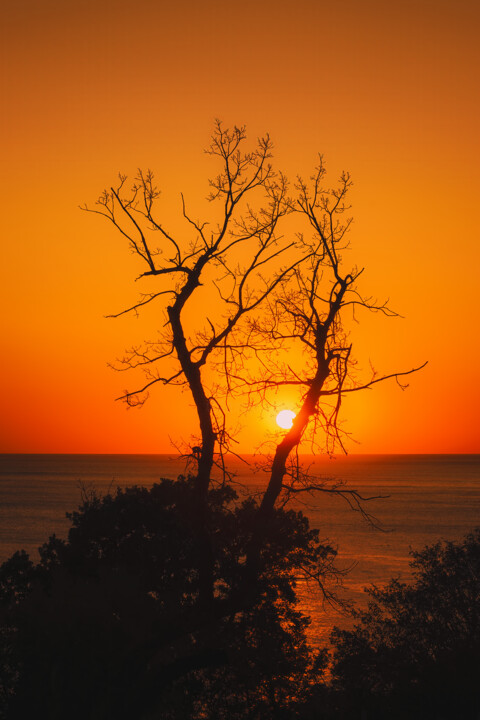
277,320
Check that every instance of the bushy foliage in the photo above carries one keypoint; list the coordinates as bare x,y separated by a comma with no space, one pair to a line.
415,653
108,625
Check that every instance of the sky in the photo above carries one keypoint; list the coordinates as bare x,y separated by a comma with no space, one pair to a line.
386,91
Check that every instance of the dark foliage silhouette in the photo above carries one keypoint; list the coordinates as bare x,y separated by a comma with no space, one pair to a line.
415,653
106,625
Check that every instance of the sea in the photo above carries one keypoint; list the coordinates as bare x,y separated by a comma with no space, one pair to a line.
415,500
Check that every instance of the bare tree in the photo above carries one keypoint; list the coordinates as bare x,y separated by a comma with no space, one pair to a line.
253,198
287,292
307,309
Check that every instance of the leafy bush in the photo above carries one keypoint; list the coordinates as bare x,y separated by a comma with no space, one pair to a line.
108,625
415,653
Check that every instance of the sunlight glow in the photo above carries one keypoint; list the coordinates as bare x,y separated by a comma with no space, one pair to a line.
285,419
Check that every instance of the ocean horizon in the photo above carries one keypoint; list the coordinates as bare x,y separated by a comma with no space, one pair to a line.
419,499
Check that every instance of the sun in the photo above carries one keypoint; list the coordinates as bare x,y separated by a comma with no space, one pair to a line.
285,419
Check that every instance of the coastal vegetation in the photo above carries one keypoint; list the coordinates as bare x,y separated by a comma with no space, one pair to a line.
415,652
107,624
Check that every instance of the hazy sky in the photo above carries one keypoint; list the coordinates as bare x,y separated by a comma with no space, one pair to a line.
386,91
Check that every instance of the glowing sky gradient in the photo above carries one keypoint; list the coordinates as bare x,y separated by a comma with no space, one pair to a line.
388,92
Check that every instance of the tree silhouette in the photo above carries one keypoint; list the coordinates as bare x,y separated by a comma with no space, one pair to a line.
252,198
290,291
415,652
241,286
106,624
307,309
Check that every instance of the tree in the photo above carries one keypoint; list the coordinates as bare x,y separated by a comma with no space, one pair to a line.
245,179
289,291
307,308
241,287
97,628
416,651
273,290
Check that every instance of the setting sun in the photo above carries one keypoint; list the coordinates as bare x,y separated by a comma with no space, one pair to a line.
285,419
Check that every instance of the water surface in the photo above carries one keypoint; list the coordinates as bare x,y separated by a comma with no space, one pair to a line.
426,497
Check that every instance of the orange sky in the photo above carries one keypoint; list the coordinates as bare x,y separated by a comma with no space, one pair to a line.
389,92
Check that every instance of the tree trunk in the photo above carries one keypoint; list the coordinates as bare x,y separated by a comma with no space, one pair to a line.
205,461
279,468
